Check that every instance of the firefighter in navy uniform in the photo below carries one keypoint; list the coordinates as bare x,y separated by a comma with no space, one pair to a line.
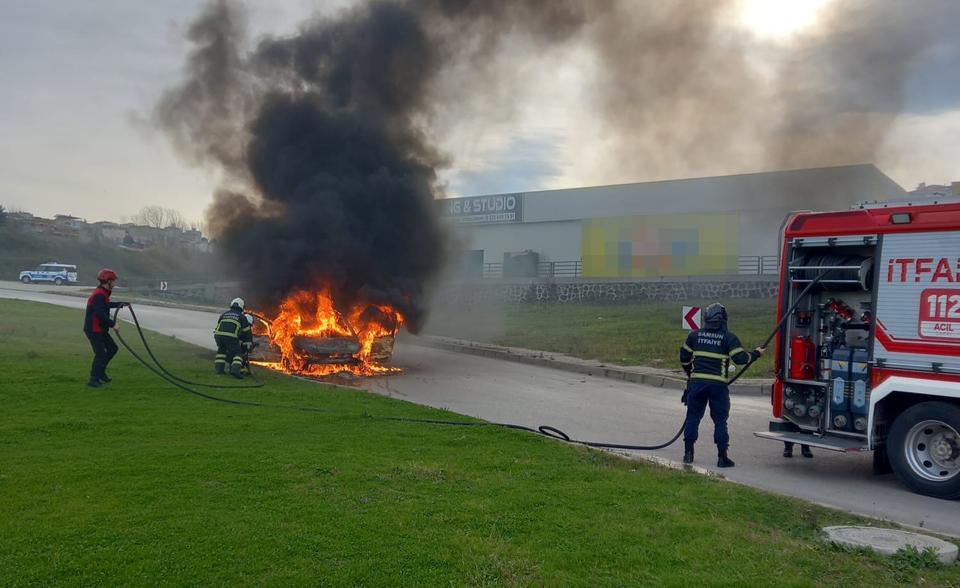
706,358
233,334
97,324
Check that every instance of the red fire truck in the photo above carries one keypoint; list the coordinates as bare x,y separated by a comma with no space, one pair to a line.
869,357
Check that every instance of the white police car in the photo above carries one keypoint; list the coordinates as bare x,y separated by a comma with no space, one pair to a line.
58,273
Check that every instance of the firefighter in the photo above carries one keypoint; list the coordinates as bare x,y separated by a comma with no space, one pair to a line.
233,334
706,358
97,324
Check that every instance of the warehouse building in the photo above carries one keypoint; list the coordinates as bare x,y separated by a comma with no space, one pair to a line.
715,226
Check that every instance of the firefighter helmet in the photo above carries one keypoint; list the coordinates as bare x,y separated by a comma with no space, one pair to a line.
237,302
105,275
715,313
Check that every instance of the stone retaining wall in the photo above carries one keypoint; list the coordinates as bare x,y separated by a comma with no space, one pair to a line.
575,292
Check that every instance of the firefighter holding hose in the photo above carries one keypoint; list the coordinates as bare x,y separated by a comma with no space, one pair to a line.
705,357
234,335
97,324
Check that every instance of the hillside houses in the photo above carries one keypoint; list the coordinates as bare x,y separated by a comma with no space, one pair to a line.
126,235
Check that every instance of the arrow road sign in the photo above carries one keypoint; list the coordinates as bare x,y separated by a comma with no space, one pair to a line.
690,320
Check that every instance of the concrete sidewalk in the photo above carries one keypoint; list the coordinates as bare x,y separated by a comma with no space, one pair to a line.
673,380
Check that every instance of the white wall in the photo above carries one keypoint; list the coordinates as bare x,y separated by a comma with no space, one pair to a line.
554,241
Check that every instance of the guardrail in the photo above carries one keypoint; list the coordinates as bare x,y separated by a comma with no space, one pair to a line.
747,265
757,265
545,269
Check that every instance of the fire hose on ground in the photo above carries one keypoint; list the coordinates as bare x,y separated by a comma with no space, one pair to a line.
544,430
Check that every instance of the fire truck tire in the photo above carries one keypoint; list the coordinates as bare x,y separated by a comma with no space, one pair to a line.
924,449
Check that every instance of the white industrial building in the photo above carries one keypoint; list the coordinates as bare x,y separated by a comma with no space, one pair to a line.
689,227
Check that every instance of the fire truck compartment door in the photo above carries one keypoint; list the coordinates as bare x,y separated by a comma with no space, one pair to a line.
829,442
918,302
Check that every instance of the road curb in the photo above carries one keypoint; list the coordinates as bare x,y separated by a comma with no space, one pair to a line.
637,375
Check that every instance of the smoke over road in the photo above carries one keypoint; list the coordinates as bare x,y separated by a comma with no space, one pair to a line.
327,138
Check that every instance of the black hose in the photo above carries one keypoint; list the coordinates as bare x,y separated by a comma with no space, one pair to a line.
168,373
545,430
780,323
181,383
175,382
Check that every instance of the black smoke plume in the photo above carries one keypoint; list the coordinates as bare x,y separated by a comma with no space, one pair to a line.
327,138
330,178
325,143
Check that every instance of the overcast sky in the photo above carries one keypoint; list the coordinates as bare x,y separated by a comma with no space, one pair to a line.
79,77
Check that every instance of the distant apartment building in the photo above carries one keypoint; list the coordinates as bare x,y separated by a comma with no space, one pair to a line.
128,235
924,190
69,221
108,231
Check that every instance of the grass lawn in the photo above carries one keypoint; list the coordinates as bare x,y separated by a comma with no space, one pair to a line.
139,483
627,334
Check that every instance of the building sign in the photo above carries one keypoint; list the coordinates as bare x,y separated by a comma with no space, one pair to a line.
475,210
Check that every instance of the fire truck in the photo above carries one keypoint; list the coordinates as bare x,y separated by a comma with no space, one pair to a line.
868,351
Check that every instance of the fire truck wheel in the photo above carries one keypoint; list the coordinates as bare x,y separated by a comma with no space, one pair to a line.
924,449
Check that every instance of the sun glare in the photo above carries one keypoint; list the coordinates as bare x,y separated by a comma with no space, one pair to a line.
779,19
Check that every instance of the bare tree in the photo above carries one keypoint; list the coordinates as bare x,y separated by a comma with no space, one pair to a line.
151,216
159,217
174,219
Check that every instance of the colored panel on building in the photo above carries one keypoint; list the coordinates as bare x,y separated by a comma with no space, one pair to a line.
661,245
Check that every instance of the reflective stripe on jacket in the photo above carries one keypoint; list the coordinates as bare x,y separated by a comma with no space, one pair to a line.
233,324
707,353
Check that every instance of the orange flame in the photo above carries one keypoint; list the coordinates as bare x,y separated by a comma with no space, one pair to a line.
307,315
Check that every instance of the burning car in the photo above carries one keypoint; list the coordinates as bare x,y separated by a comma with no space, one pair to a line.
309,336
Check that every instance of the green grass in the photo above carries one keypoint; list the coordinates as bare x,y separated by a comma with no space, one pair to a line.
628,334
140,484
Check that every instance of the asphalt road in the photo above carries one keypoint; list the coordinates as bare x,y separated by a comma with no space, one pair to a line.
598,409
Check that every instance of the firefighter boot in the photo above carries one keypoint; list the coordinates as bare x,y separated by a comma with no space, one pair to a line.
94,383
788,449
805,451
687,452
235,371
722,460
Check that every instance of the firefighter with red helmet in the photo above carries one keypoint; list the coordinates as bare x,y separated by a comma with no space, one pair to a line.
705,357
97,324
233,335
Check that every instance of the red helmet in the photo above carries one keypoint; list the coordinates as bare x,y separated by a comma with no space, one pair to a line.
105,275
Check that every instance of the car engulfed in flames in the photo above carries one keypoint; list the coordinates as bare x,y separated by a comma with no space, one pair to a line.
309,336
